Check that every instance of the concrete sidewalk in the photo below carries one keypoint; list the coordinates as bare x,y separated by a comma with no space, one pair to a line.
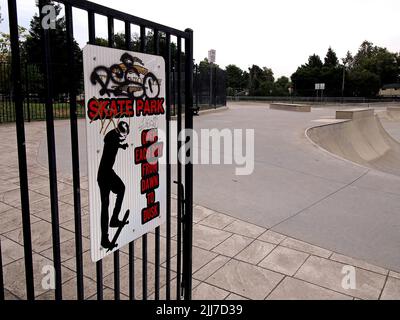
232,259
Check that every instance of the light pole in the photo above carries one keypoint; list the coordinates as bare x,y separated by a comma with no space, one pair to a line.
344,75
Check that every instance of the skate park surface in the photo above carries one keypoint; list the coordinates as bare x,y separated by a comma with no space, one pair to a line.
299,188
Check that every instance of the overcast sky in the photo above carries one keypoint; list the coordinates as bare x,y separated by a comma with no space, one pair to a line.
279,34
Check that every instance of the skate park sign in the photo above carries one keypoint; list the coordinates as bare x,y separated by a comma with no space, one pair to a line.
125,122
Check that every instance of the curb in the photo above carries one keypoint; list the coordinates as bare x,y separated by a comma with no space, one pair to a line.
219,109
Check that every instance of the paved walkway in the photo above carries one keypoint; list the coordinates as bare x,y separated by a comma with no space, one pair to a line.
233,259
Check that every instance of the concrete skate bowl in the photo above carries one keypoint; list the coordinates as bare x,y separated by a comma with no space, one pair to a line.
361,140
391,114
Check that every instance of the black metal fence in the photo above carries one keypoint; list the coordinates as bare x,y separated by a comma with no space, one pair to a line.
209,92
48,108
315,100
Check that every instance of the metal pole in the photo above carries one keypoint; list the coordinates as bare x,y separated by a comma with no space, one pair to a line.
211,85
188,224
344,74
21,145
51,153
75,155
168,116
144,237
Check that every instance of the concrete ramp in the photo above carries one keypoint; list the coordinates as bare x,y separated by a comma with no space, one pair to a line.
391,114
362,140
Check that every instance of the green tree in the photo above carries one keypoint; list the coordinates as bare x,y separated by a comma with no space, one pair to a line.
331,60
331,74
33,52
281,87
307,75
261,81
234,79
370,69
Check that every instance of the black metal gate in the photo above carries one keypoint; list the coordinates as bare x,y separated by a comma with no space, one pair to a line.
184,171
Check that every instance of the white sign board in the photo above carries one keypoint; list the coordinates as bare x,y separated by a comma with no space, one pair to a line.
125,125
320,86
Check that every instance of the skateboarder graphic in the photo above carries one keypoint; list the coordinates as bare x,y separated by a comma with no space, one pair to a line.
109,181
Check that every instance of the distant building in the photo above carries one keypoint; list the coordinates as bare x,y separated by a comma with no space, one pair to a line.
212,55
390,90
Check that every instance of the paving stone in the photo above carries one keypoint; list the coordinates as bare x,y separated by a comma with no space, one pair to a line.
66,213
295,289
13,198
217,220
205,291
233,296
89,267
7,186
394,274
358,263
272,237
306,247
85,223
9,295
4,207
11,251
108,295
284,260
69,198
255,252
172,289
200,257
208,238
233,245
328,274
124,279
245,279
68,250
391,290
212,266
12,220
200,213
151,248
245,229
62,189
174,226
14,276
69,290
41,234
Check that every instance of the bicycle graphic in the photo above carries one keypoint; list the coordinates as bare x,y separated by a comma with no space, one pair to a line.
129,78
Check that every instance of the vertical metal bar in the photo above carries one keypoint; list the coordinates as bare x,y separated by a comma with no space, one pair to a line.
157,230
215,87
179,169
168,116
1,276
92,30
99,279
197,85
188,224
142,39
110,27
132,270
51,149
173,89
128,40
75,154
144,237
20,127
128,45
117,287
28,112
99,264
